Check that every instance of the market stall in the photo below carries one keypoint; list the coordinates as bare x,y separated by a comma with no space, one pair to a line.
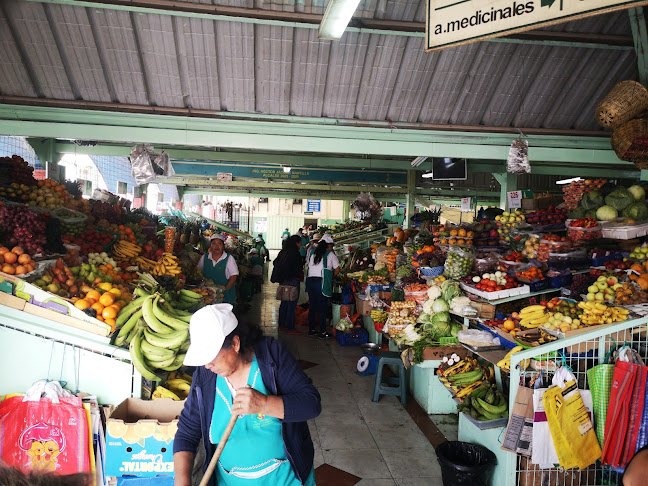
480,310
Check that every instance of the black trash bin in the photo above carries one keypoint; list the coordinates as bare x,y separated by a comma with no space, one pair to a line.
465,464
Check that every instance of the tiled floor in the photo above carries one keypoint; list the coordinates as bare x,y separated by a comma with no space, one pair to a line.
374,443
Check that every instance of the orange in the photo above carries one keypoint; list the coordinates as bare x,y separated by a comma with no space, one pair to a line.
99,317
20,270
107,299
3,250
24,259
6,268
98,307
94,295
105,286
81,304
17,250
109,313
112,323
10,257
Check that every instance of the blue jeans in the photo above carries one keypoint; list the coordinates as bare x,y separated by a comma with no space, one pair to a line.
319,303
287,309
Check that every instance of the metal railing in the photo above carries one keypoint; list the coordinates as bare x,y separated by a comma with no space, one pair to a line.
580,353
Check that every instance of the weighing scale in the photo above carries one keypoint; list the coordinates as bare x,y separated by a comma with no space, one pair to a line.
368,364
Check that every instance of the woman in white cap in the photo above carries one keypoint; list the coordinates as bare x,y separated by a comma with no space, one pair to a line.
220,267
323,267
239,371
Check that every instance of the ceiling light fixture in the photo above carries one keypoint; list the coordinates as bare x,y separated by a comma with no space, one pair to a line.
336,18
287,169
569,181
428,175
418,161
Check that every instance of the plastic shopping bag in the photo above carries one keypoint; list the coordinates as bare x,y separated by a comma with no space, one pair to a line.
45,434
543,451
625,413
571,428
599,379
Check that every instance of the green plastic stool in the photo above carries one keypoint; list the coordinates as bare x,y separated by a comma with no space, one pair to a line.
380,385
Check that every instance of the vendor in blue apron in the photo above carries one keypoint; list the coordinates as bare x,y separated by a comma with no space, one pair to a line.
241,372
220,267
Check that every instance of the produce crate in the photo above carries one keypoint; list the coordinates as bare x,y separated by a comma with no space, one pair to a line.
501,294
536,286
541,203
381,288
561,281
356,338
600,261
438,352
363,307
488,424
431,271
624,232
485,310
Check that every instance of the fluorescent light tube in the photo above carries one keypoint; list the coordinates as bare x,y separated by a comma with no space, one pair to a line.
427,175
336,18
418,161
287,169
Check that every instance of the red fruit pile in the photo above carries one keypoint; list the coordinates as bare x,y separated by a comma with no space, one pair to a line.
90,241
514,256
488,285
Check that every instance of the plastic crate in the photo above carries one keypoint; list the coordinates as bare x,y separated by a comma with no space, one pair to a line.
600,261
561,281
431,271
380,288
538,285
356,338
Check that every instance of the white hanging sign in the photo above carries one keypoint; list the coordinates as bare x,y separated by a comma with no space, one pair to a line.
455,22
465,205
514,199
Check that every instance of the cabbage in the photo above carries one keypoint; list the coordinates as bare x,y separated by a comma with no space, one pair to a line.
441,329
591,214
424,318
619,199
637,192
440,305
455,327
450,289
637,210
577,213
441,317
606,213
592,200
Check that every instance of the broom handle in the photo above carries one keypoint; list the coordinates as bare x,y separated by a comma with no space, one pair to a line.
219,450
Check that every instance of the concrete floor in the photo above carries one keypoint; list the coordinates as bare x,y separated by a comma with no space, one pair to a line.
378,443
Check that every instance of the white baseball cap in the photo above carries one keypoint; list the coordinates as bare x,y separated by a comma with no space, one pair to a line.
327,239
217,236
208,329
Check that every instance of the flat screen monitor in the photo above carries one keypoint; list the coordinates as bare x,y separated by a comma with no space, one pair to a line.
449,169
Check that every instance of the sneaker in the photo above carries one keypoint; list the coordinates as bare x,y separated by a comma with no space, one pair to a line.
323,335
313,332
294,332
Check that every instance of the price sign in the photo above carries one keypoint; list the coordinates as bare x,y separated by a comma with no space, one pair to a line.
514,199
465,205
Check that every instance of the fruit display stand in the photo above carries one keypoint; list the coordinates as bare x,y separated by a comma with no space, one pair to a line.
63,353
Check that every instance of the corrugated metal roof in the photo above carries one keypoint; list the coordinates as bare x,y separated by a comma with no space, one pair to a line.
94,54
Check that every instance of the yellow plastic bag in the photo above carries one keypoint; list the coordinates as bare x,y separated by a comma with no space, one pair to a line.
571,428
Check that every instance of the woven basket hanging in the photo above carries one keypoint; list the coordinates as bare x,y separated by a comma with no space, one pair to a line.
630,142
626,100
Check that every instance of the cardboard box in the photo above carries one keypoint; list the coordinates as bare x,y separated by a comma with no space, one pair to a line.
541,203
39,297
139,437
485,310
437,353
362,306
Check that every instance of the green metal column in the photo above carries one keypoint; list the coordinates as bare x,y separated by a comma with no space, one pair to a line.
346,207
640,37
644,175
508,182
410,200
46,151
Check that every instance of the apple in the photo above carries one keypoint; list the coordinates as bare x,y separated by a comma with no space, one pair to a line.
602,278
592,289
601,285
612,281
576,321
599,297
617,286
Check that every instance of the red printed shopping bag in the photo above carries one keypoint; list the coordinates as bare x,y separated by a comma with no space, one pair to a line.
48,434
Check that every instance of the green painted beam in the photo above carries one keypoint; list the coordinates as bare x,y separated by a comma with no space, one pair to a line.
300,137
640,37
258,185
298,20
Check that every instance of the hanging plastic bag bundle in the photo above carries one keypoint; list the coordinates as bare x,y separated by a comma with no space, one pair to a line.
571,428
599,379
625,418
518,157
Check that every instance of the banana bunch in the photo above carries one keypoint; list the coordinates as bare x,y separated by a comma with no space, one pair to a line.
157,332
466,376
595,313
379,315
505,363
123,250
462,366
145,264
162,392
485,403
533,316
167,265
179,383
185,300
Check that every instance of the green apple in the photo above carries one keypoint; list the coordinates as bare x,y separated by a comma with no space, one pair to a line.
576,321
591,296
592,289
601,285
599,297
617,286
